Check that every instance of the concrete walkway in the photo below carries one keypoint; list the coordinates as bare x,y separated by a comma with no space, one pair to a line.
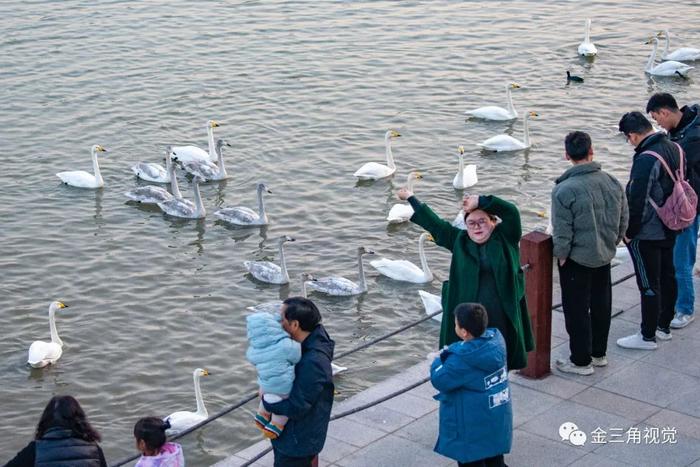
641,410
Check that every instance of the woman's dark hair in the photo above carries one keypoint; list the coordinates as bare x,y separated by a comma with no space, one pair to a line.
152,431
302,310
472,317
662,100
578,145
634,122
65,411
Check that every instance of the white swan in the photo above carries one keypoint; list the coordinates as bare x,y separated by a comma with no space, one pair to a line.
193,153
669,68
374,171
340,286
152,172
180,207
82,179
45,353
682,54
274,306
402,212
182,420
402,270
243,216
267,271
494,112
587,48
207,170
466,175
508,143
431,303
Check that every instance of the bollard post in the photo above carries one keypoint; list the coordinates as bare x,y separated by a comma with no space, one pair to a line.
536,251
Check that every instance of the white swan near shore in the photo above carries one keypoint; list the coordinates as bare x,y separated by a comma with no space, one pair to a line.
182,420
587,48
83,179
375,171
466,174
431,303
43,353
668,68
402,270
494,112
193,153
502,143
402,212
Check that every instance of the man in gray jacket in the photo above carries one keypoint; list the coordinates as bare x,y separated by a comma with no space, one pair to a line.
589,219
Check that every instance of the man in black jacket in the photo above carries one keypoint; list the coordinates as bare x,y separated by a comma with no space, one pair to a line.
311,399
683,126
649,241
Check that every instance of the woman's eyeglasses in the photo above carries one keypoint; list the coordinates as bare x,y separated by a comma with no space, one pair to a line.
471,225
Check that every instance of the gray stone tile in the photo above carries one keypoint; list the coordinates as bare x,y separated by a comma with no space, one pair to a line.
606,401
424,391
586,418
423,431
528,403
357,434
680,354
615,363
393,451
530,450
687,402
632,314
684,452
649,383
596,460
685,424
254,450
334,450
552,384
231,461
411,405
381,418
622,328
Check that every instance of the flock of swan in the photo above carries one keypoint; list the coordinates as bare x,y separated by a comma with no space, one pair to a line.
209,165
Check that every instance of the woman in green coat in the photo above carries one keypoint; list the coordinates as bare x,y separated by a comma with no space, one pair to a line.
485,269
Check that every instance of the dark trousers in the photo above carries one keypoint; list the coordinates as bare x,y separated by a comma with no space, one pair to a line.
283,460
586,297
496,461
656,279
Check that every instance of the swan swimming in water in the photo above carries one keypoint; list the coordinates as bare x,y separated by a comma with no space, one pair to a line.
431,303
669,68
207,170
182,420
267,271
155,194
501,143
375,171
244,216
402,212
45,353
192,153
83,179
494,112
587,48
466,175
681,54
180,207
152,172
340,286
402,270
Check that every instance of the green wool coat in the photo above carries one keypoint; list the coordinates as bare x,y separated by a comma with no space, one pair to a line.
503,251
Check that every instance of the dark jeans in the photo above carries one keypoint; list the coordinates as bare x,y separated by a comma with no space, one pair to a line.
496,461
283,460
656,279
586,297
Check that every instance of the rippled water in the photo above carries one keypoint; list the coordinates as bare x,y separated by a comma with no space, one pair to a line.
304,92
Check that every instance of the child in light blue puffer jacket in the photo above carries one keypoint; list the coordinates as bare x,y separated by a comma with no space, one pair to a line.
274,355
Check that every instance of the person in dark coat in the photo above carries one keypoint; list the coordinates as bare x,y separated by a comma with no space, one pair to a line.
63,437
309,404
649,241
683,126
485,268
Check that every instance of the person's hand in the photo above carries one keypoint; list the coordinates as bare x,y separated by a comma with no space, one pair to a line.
432,356
469,203
404,194
562,261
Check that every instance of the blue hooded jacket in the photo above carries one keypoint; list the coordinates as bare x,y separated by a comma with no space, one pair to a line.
476,417
273,353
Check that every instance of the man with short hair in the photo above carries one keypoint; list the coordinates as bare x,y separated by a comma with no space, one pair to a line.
649,241
589,219
311,399
683,126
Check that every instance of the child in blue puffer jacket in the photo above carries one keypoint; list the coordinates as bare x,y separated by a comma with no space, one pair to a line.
274,355
476,417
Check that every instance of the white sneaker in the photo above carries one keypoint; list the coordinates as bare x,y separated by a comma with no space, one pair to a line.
568,367
599,361
636,341
681,320
664,336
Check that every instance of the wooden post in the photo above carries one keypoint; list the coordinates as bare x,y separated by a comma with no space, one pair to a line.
536,253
